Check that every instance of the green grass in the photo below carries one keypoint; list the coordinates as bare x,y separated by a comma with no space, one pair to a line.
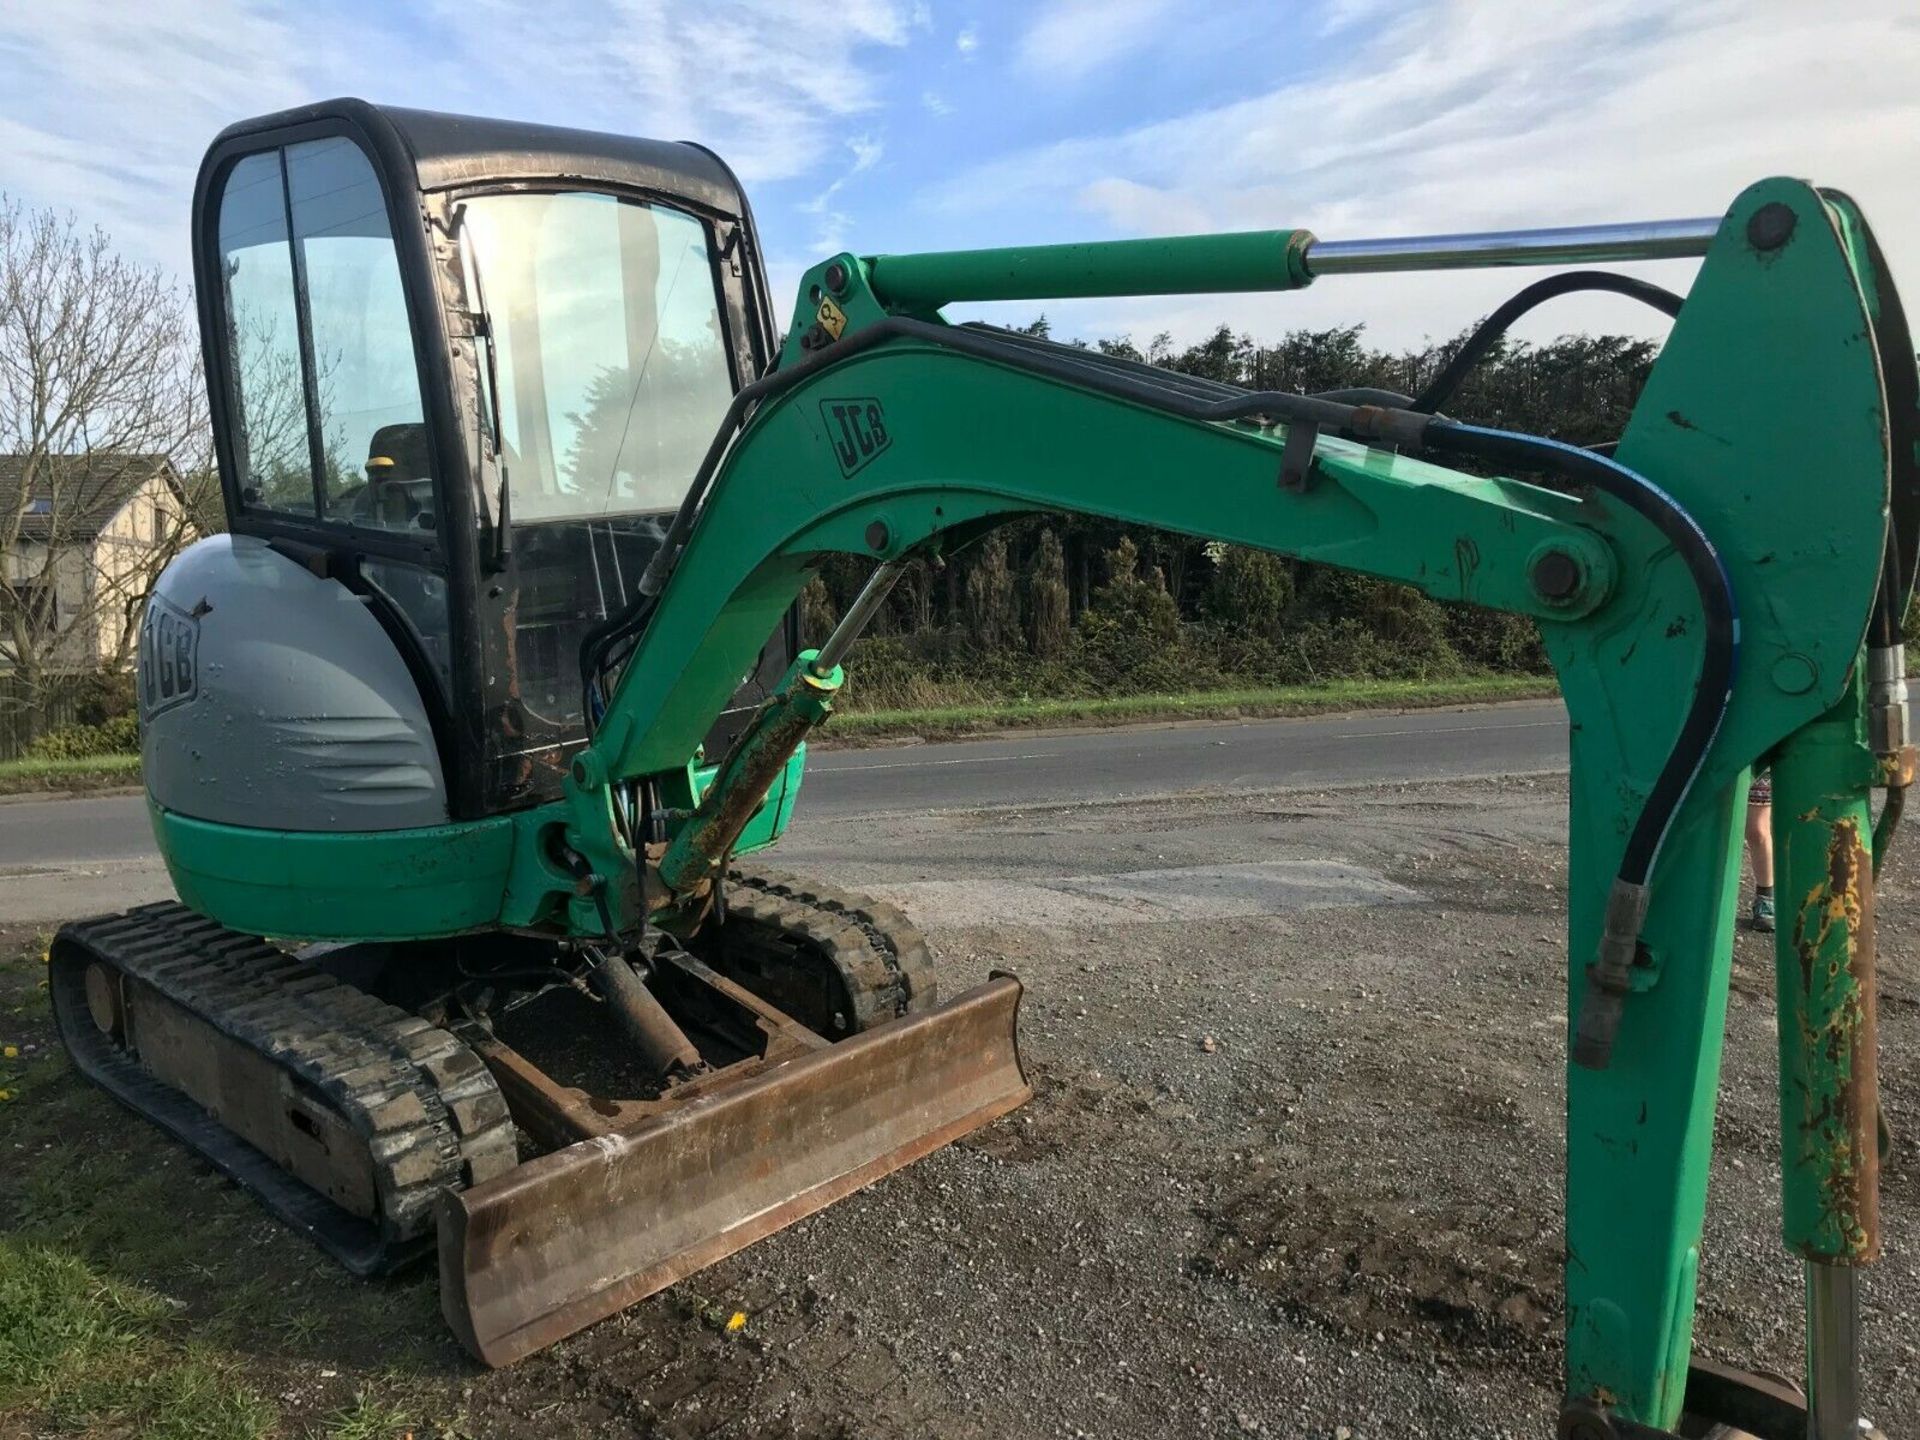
92,772
89,1352
368,1418
141,1294
1278,700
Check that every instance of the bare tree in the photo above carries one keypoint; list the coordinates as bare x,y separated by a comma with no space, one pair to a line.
99,389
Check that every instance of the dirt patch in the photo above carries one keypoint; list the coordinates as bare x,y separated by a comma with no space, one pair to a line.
1419,1279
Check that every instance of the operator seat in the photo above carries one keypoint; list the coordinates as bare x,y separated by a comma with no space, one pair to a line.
399,493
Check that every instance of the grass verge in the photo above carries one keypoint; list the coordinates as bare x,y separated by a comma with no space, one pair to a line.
140,1294
859,727
93,772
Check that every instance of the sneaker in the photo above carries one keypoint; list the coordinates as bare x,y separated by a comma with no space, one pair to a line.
1762,916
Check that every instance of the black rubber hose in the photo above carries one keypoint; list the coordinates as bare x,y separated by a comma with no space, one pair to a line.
1488,333
1714,688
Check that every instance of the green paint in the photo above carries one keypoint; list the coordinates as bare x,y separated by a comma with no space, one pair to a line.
347,885
1161,265
1763,382
1829,1099
401,884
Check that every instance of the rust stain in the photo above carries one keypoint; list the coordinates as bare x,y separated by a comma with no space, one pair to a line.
1833,933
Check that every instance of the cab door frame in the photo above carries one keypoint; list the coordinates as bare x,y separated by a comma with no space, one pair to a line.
335,547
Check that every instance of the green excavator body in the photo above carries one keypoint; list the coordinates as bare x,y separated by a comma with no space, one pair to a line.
1713,597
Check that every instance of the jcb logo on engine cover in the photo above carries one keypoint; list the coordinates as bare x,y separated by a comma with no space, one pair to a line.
856,429
169,657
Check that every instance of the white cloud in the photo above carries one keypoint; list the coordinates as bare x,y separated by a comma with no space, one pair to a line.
934,103
1343,14
107,110
1487,114
1071,39
108,106
832,224
764,91
1137,209
967,42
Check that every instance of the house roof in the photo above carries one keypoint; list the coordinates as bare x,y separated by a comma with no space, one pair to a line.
78,495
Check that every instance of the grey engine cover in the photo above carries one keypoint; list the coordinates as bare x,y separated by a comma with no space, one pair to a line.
273,699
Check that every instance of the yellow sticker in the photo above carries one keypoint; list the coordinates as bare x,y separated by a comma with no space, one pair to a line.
832,318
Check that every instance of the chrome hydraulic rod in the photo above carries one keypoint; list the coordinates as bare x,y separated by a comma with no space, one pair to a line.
859,614
1566,245
1833,1354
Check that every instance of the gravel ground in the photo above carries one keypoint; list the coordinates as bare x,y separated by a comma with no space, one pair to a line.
1293,1167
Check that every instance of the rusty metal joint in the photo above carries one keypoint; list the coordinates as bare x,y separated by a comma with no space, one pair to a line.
1610,977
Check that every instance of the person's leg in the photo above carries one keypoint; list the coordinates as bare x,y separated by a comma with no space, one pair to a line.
1760,850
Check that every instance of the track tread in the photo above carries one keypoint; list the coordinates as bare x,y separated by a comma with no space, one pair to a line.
879,953
430,1114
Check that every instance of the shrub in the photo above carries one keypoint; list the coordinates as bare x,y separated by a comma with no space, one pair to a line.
118,736
1047,598
105,695
1248,587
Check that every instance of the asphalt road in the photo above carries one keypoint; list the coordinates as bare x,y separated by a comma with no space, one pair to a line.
61,858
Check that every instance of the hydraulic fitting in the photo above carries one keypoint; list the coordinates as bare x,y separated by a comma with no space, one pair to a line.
1888,724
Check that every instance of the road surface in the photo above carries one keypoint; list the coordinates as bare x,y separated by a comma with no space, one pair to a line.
60,858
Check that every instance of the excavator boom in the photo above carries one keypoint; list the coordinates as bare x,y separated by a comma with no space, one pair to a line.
888,433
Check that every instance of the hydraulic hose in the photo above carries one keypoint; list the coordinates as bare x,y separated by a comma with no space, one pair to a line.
1610,978
1487,334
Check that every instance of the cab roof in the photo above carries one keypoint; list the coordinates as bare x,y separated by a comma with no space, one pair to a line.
451,151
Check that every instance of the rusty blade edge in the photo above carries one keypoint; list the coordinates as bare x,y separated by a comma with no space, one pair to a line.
459,1213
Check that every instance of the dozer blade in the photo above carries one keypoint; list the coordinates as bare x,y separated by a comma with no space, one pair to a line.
580,1234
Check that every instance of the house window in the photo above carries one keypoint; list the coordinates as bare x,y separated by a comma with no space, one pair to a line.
42,605
158,519
40,506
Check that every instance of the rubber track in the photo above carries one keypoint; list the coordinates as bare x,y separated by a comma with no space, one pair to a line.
429,1111
878,951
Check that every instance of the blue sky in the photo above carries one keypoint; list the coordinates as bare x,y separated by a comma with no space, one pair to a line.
925,124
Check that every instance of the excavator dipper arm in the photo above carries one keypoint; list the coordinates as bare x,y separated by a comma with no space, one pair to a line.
1705,597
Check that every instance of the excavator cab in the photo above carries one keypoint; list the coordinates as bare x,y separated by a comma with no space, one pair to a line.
467,369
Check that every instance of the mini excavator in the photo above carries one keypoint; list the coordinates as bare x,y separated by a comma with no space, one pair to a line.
458,743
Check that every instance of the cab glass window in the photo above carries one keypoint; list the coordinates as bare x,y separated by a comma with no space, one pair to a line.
331,422
610,350
263,338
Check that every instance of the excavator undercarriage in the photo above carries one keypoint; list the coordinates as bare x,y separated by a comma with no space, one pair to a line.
371,1128
440,724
